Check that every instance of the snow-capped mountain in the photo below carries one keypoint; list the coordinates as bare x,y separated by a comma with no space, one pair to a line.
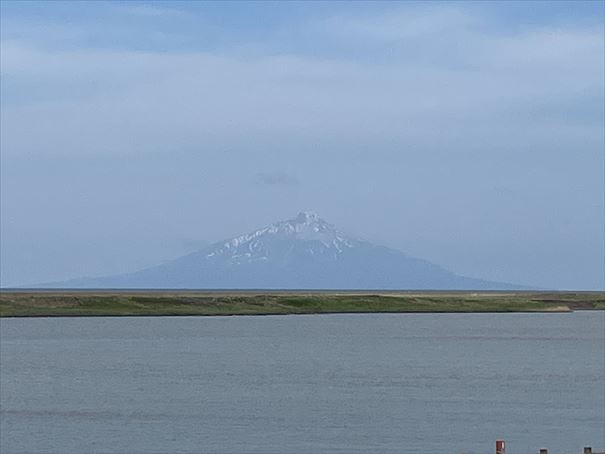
305,252
307,233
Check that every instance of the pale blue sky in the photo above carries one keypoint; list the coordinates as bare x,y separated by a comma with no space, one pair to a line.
469,134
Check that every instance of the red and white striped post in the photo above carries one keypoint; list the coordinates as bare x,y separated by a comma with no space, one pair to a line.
500,447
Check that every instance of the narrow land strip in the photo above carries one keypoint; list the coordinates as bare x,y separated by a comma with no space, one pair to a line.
129,303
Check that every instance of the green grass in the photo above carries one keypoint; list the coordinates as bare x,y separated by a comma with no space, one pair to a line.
599,305
25,304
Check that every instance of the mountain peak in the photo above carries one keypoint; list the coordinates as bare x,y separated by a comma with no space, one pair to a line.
306,233
307,217
304,224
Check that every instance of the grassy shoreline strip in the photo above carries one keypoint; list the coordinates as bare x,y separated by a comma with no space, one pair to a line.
187,303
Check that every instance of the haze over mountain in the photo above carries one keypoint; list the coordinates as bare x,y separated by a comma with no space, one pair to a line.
126,126
305,252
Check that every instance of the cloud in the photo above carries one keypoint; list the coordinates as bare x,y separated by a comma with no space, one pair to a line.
399,25
277,179
147,10
411,117
476,86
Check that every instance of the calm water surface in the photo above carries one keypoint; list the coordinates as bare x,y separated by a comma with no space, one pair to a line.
438,383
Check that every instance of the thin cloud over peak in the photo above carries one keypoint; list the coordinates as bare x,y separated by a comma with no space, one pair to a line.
277,179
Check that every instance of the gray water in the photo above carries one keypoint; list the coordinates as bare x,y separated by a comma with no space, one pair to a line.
438,383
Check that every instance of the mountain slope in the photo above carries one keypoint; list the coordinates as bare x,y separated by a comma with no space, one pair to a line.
301,253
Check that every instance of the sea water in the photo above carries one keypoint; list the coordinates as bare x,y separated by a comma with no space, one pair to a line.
373,383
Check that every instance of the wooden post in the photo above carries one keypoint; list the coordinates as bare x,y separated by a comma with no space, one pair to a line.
588,450
543,451
500,447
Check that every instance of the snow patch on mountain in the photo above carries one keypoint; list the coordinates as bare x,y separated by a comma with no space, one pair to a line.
318,236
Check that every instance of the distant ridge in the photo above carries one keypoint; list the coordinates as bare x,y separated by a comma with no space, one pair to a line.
305,252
